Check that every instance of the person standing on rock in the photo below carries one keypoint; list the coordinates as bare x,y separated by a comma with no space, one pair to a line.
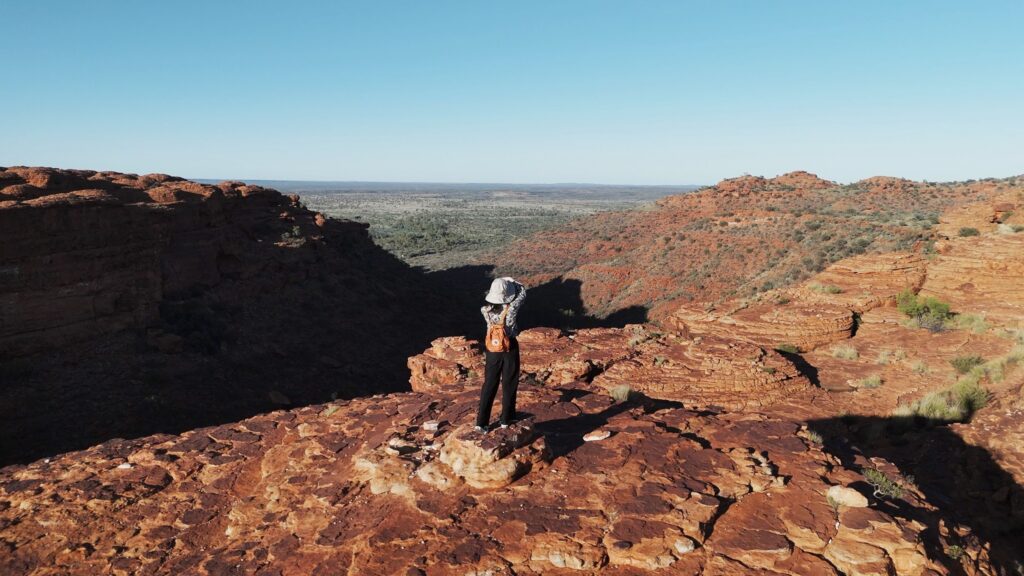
504,300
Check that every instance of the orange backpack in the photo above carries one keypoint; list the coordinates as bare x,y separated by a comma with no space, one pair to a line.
497,337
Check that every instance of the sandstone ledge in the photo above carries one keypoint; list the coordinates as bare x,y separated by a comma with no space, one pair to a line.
354,487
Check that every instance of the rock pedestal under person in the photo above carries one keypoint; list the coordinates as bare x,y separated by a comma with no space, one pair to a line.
504,299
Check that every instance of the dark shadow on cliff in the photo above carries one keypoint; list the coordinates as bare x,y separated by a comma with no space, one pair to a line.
968,486
559,303
802,366
268,318
562,436
276,321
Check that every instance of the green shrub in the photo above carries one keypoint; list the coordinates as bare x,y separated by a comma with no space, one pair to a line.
883,485
955,404
968,232
845,353
621,393
973,322
815,437
871,381
970,396
787,349
955,552
826,288
929,312
964,364
920,367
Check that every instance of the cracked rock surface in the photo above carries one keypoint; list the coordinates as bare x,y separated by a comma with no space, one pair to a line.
386,484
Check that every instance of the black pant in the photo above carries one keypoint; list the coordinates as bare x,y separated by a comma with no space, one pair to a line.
506,365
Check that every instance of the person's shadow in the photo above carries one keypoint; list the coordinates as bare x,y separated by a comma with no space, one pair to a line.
564,435
969,488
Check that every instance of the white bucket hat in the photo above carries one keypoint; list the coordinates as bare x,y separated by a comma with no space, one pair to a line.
502,291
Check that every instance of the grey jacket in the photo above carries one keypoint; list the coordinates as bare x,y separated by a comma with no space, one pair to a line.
513,311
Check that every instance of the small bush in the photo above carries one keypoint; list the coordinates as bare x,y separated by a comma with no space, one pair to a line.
964,232
955,552
621,393
964,364
826,288
884,357
920,367
787,349
871,381
815,437
929,313
973,322
1018,227
955,404
970,396
884,486
845,353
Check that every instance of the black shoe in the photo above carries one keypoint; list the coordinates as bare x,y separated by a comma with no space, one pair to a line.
480,429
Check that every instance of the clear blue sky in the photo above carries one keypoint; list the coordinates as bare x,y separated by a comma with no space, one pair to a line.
547,91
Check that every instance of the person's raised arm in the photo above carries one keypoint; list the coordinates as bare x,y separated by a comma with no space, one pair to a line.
513,306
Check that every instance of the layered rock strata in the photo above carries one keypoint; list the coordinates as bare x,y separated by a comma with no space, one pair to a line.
91,253
802,325
816,313
980,275
133,304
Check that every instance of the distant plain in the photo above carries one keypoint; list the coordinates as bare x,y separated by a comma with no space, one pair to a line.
439,226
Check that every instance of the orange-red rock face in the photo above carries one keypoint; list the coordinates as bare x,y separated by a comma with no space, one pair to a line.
741,237
980,275
395,485
86,253
819,312
721,460
803,325
131,304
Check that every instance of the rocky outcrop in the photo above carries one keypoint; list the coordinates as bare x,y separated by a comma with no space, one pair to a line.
742,237
864,282
547,355
980,275
818,312
803,180
707,371
130,304
700,371
983,217
387,485
802,325
450,360
85,254
798,180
